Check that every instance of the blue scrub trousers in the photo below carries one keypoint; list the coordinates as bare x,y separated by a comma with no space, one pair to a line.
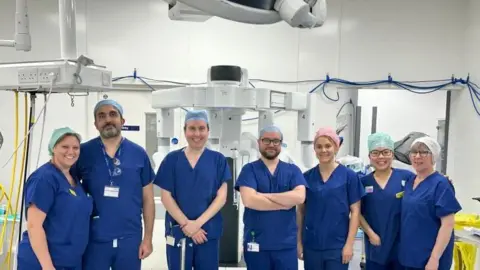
323,260
26,265
198,257
102,255
395,265
271,260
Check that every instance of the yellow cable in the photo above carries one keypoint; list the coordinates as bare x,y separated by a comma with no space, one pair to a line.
21,181
14,167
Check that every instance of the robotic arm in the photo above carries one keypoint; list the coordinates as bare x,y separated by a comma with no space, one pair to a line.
297,13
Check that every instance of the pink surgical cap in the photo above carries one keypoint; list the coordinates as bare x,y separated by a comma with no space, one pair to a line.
330,133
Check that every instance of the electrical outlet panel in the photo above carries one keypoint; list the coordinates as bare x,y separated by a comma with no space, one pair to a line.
27,75
44,74
35,76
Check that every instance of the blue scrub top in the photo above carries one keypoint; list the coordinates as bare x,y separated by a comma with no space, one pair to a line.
67,210
381,208
327,207
115,218
193,189
272,230
422,210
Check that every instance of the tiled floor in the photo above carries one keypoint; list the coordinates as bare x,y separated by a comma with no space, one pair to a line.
157,260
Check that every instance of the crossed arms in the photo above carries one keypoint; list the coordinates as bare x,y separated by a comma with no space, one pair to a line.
272,201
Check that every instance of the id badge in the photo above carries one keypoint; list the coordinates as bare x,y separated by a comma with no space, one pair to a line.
369,189
253,247
170,241
111,191
115,243
403,183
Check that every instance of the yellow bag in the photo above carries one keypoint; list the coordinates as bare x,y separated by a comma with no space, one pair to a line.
464,256
467,220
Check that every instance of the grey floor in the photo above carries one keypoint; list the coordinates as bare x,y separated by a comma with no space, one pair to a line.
157,260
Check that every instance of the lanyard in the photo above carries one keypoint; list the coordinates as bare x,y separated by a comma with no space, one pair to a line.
116,162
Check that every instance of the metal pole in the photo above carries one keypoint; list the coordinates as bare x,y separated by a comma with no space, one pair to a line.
447,131
68,29
357,125
374,119
183,246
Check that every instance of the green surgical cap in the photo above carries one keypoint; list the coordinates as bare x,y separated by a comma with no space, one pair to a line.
380,140
59,134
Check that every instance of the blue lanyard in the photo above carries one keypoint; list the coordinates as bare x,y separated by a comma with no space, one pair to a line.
117,171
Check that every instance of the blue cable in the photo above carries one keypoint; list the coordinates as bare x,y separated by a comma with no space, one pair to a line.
409,86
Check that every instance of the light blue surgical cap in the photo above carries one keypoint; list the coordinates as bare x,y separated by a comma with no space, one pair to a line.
111,102
197,115
59,134
270,129
380,139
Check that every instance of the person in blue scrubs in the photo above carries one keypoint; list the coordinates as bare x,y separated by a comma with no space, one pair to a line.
381,206
57,210
117,173
428,212
193,182
329,219
270,190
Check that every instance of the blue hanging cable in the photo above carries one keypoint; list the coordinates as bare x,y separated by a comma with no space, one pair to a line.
474,89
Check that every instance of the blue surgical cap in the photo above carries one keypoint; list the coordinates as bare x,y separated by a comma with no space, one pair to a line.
197,115
59,134
271,129
111,102
380,140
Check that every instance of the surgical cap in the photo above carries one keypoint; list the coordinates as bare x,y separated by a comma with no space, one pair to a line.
432,145
197,115
271,129
329,133
58,134
380,140
111,102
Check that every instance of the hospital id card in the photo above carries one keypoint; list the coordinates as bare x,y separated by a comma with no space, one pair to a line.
111,191
253,247
170,241
369,189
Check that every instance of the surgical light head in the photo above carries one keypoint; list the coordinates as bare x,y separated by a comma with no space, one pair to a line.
380,140
432,145
58,135
110,102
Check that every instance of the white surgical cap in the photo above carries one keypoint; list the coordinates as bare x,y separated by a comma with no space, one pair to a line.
271,129
432,145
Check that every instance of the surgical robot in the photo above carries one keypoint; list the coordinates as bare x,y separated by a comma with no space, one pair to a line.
227,97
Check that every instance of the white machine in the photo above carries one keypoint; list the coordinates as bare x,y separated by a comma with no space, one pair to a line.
227,97
297,13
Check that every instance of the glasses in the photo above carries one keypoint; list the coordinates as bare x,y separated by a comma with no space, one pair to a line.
385,153
276,142
414,153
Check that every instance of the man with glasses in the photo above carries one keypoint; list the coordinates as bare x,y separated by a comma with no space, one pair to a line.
118,175
270,190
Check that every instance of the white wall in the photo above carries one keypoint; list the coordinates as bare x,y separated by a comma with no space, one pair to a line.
362,40
464,145
400,112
